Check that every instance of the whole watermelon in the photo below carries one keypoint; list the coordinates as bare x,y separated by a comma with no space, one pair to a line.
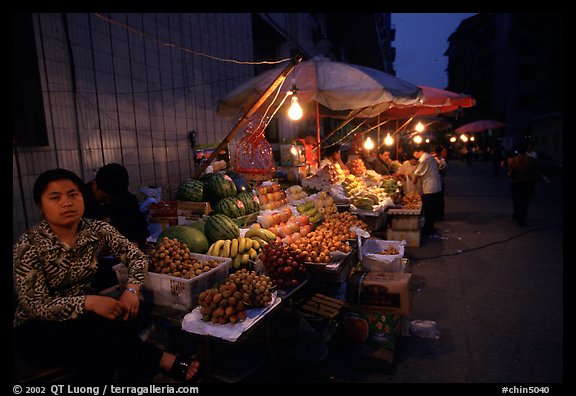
217,187
190,190
231,207
192,237
249,202
220,226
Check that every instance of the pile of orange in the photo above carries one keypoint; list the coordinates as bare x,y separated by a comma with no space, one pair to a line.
330,236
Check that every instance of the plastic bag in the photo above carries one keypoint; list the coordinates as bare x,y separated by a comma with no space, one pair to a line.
424,329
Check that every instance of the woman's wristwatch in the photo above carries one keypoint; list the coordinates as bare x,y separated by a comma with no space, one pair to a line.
132,290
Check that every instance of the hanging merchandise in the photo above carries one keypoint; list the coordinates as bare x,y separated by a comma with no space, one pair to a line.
254,156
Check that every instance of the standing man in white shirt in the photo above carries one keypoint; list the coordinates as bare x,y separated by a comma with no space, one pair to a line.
427,172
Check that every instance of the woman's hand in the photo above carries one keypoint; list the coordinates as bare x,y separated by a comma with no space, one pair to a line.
131,301
107,307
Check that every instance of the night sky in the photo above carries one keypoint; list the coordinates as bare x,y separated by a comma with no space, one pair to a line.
421,40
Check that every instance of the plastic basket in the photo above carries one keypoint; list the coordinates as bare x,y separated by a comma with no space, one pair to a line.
175,292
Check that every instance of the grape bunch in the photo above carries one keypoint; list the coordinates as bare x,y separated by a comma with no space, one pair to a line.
283,264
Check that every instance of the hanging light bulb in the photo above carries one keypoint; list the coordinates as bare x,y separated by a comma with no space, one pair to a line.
295,112
472,138
417,139
452,139
368,144
419,127
294,151
464,138
388,140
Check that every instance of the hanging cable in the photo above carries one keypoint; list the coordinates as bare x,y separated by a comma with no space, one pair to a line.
171,45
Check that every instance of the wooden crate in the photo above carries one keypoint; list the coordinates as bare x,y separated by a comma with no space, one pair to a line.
324,306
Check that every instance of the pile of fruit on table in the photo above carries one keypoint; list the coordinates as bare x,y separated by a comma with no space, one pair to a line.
291,228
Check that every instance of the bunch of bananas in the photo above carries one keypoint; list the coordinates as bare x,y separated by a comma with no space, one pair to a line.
242,249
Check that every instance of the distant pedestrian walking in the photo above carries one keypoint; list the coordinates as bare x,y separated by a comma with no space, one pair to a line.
522,173
495,152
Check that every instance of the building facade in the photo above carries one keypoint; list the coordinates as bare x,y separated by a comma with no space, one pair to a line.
513,66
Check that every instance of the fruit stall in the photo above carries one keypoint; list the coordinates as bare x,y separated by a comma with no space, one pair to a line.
230,253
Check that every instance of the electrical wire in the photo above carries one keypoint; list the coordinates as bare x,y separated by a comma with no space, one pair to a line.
171,45
485,245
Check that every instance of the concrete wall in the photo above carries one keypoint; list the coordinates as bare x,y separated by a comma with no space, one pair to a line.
141,86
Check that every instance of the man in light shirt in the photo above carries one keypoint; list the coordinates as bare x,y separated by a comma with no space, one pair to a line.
427,172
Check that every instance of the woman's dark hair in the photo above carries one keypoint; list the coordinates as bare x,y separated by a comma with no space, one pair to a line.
332,149
54,175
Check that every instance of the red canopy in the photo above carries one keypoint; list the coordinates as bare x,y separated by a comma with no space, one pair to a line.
479,126
434,101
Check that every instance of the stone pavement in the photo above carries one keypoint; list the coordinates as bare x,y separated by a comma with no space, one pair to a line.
494,288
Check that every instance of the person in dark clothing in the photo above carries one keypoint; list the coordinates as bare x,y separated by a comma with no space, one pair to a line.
522,173
107,198
59,317
496,158
382,163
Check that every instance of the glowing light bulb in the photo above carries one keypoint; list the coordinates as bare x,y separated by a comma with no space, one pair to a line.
427,140
388,140
464,138
472,138
294,151
419,127
417,139
295,112
452,139
368,144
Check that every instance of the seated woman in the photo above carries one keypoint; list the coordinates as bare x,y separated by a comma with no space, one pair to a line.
59,320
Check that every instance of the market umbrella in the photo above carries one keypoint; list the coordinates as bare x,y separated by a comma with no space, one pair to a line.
335,85
434,101
479,126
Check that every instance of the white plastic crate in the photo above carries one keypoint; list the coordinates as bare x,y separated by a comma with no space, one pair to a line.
176,292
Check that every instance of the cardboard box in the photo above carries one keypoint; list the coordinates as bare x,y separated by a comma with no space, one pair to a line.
190,209
386,292
374,261
406,222
412,238
372,328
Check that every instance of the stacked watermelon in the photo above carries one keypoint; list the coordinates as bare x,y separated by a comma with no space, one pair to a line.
250,201
190,190
220,226
218,186
231,207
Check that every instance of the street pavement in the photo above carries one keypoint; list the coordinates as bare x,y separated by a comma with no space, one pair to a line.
494,288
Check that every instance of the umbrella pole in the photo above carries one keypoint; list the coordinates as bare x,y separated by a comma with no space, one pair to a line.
318,134
244,119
